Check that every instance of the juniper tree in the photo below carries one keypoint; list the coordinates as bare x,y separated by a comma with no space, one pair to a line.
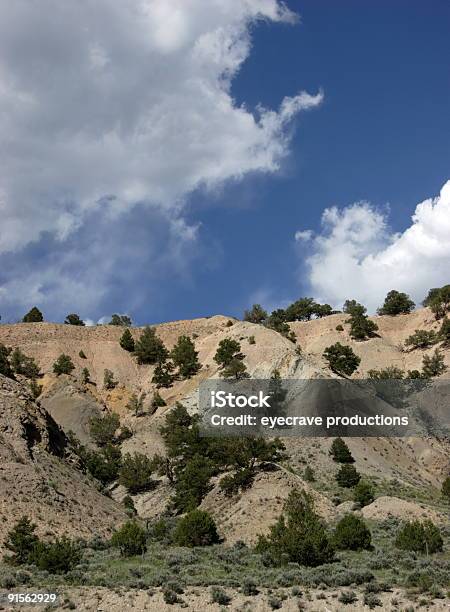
185,357
136,472
340,451
33,316
352,533
421,338
21,541
63,365
120,320
163,375
127,341
341,359
396,303
363,493
149,349
230,359
433,365
21,364
74,319
348,476
256,314
103,428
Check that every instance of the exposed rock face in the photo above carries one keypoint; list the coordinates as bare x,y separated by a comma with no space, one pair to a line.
38,473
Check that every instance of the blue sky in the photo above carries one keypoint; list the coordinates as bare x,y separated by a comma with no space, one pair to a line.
380,135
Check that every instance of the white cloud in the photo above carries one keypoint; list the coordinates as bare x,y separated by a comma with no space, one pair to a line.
357,256
303,235
106,104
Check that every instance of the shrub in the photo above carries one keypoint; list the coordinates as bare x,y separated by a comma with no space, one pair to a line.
74,319
396,303
347,597
341,359
58,557
299,534
35,389
82,355
363,493
446,488
130,539
170,597
339,328
21,541
5,366
421,338
197,528
251,340
33,316
103,429
351,533
249,587
433,365
136,472
128,502
149,349
108,380
256,314
85,376
389,373
63,365
340,451
233,483
444,332
104,465
127,341
348,477
185,357
371,600
21,364
308,474
136,404
219,596
157,401
120,320
421,537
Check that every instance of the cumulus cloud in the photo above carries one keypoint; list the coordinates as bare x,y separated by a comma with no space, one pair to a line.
356,255
104,105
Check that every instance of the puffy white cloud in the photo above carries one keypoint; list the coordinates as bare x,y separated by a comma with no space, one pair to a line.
107,104
357,256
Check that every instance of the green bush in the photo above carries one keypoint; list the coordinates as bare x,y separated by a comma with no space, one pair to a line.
299,534
396,303
347,597
348,477
5,366
21,364
136,472
433,365
351,533
127,341
103,428
130,539
340,451
239,481
341,359
149,349
63,365
308,474
446,488
197,528
21,541
108,380
420,537
128,502
85,376
421,338
33,316
104,465
363,493
58,557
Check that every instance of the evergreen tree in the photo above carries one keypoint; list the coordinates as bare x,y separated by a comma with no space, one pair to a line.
256,314
63,365
108,380
85,376
5,367
121,320
197,528
348,477
157,402
420,537
130,539
21,364
351,533
363,493
433,365
299,534
74,319
127,341
136,404
340,451
389,373
192,483
438,300
33,316
361,327
185,357
230,359
150,349
341,359
105,464
444,332
301,310
163,375
421,339
136,472
277,322
308,474
103,428
354,308
21,541
396,303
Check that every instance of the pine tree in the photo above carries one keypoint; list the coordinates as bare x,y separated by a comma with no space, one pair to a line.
348,477
185,357
63,365
85,376
340,451
108,380
150,349
120,320
363,493
5,367
396,303
74,319
341,359
127,341
23,365
230,359
21,541
163,375
433,365
352,533
33,316
256,314
136,472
